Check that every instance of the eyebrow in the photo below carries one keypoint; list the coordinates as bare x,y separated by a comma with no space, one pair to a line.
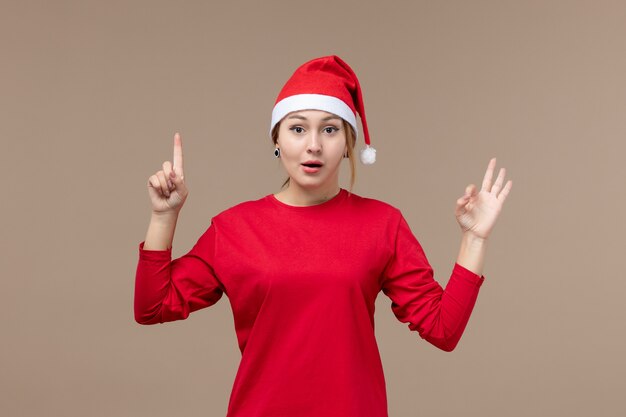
297,116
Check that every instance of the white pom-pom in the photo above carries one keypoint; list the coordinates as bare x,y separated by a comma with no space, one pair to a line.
368,155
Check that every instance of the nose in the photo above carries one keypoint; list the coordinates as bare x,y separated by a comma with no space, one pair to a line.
314,145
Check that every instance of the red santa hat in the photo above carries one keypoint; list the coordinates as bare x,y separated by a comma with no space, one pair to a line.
327,84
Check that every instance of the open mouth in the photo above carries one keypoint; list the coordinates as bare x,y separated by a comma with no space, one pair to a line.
312,165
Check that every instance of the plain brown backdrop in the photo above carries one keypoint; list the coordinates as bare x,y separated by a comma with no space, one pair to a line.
92,93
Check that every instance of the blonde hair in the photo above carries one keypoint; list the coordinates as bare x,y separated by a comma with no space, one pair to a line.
350,142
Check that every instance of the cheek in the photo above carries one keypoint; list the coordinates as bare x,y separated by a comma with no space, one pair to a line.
289,152
339,149
290,156
292,147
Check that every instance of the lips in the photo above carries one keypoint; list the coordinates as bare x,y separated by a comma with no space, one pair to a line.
313,164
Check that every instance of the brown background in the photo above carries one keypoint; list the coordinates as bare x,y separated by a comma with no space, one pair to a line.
92,93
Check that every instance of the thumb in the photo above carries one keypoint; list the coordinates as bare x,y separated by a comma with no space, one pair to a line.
178,181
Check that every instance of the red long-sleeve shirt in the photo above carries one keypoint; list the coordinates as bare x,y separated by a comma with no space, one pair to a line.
302,283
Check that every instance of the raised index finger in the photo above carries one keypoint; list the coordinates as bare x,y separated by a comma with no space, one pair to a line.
178,154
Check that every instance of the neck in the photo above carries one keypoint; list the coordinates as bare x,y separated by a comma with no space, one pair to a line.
297,196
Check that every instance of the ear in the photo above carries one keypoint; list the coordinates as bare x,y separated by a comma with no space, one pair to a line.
275,132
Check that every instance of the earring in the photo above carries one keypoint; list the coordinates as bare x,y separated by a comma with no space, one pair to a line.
277,153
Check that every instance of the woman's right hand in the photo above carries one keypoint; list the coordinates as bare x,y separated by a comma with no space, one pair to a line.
167,188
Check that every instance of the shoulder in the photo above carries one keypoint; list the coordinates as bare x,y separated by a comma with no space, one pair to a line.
242,210
374,214
374,206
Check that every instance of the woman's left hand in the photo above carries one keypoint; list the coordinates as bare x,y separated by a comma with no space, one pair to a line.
477,212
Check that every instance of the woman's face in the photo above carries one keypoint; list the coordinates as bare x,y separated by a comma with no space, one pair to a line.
312,137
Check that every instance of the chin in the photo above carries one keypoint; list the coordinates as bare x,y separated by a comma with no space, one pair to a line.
309,183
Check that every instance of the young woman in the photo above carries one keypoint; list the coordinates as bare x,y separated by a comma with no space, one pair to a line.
302,268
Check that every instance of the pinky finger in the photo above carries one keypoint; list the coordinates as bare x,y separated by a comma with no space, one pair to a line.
153,183
505,191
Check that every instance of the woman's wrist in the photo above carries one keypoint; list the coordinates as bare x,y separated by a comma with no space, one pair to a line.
167,217
472,252
161,231
471,238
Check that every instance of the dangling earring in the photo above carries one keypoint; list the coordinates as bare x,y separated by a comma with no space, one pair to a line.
277,153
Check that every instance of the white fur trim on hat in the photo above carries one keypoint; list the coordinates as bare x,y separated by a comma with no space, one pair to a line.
313,102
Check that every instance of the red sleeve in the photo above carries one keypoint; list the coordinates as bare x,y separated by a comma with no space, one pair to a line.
438,315
167,290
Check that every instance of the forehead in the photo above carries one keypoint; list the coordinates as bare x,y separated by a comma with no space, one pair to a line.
312,115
